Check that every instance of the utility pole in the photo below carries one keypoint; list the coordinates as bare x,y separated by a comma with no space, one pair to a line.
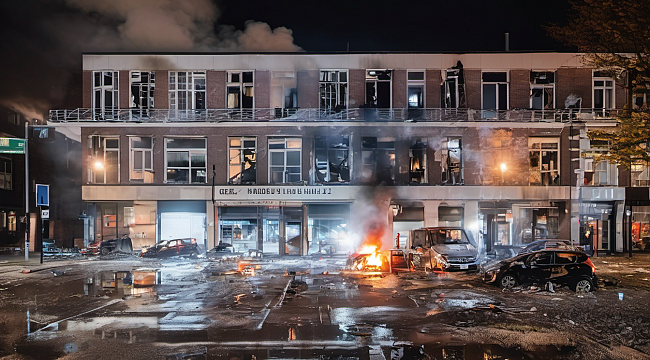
26,190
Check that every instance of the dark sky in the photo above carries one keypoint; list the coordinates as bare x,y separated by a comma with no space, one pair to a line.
42,40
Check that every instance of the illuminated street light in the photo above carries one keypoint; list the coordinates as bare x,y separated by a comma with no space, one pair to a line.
98,165
503,169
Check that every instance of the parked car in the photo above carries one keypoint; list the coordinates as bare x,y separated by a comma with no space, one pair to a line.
169,248
444,248
92,249
122,244
548,244
565,267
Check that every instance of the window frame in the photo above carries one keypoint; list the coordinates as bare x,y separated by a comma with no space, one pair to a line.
339,101
145,90
331,153
285,150
191,151
145,153
100,92
416,84
98,152
374,79
242,159
241,85
544,140
373,153
492,112
543,87
607,100
191,89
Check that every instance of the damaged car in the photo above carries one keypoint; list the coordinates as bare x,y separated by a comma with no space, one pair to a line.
444,249
169,248
563,267
121,244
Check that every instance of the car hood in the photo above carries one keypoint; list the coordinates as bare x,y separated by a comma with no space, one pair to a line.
456,250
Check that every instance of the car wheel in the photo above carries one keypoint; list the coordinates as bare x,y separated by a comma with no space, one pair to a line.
508,281
105,251
583,286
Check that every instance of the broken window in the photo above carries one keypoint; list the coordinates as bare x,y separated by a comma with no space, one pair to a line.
495,93
105,94
331,158
453,87
186,90
452,161
284,93
418,161
378,160
285,156
239,90
141,158
597,170
415,84
544,158
542,90
378,88
142,88
242,160
104,159
185,160
5,173
603,93
333,89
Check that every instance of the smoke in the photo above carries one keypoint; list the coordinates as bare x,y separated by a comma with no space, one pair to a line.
369,217
49,37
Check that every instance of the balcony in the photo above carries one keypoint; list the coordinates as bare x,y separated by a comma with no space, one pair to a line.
346,115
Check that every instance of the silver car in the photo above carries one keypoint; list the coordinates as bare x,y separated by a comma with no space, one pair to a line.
444,248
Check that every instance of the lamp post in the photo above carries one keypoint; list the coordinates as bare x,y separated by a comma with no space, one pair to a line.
628,212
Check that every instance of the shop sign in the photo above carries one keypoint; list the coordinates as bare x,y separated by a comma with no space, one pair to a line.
280,193
12,146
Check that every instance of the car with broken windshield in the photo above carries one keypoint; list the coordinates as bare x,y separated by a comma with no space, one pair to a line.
174,247
443,248
544,244
562,267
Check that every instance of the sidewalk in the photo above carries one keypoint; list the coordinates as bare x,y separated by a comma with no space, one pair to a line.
16,262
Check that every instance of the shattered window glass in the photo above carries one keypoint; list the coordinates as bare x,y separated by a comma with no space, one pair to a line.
240,90
331,158
242,160
378,160
333,90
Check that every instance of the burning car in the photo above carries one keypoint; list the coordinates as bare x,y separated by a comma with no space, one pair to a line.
443,248
169,248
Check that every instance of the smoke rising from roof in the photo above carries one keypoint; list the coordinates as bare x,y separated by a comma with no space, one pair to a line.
51,35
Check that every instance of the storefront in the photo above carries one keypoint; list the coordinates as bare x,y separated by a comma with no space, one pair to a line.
597,227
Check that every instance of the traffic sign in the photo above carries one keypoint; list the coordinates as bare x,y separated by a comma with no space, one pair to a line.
12,146
42,195
45,214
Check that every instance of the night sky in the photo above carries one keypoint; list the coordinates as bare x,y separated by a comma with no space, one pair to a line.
43,39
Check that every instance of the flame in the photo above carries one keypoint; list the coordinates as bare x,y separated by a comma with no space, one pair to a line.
374,259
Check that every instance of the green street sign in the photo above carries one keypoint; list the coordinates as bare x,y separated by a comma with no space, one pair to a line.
12,146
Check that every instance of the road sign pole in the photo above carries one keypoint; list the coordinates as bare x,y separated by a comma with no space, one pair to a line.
26,192
40,211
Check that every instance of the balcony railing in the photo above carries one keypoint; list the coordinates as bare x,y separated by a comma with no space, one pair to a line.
357,114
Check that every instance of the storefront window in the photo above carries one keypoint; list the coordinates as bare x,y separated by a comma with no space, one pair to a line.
242,234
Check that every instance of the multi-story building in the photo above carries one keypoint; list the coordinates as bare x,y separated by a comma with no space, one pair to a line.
294,153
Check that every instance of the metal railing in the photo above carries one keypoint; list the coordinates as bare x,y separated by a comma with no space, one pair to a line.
307,115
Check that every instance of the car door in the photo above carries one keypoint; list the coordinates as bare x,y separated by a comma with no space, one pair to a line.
566,267
541,266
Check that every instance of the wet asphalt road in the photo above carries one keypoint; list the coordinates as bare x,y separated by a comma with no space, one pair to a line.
303,308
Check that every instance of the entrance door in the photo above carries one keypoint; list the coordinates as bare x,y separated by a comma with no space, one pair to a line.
294,238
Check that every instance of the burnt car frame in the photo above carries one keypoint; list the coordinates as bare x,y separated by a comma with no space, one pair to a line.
444,248
122,244
173,247
564,267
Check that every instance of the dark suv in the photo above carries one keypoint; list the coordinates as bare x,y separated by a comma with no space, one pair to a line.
564,267
122,244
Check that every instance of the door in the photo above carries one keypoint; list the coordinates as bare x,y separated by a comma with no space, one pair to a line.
294,238
541,267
